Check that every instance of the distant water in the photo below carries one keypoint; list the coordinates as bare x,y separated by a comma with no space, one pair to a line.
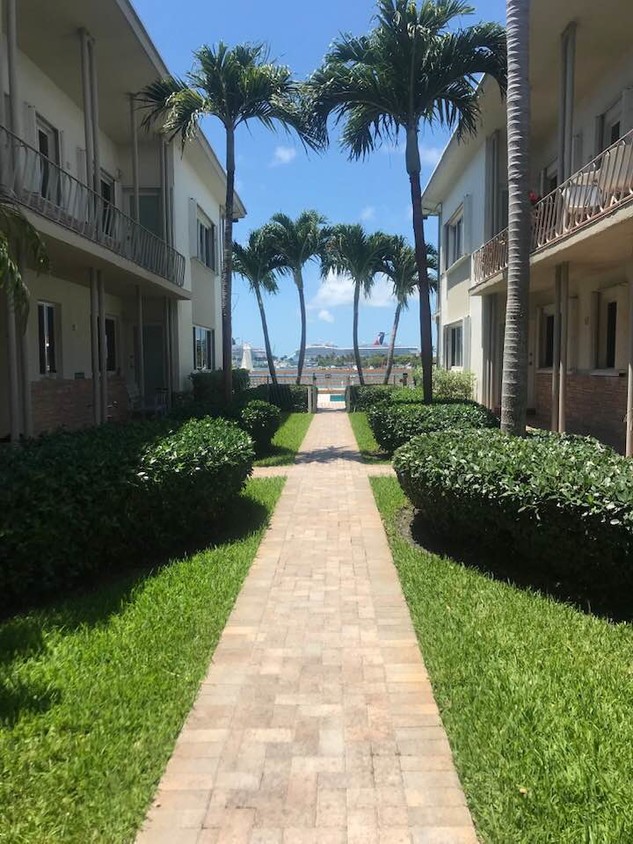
332,378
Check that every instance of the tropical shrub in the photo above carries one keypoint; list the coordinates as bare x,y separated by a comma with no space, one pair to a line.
449,383
395,424
558,505
73,505
208,385
362,398
289,398
260,420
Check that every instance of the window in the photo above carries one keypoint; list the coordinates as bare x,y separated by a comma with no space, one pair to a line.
206,244
610,334
150,211
546,343
48,146
107,195
110,345
46,319
455,238
203,348
607,332
611,122
454,346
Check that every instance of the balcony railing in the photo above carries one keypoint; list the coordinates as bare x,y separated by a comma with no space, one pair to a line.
38,183
601,187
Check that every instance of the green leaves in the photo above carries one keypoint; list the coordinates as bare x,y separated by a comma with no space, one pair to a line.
16,230
260,420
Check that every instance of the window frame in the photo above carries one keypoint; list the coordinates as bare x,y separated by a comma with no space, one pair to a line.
206,231
455,345
454,243
547,327
48,360
206,337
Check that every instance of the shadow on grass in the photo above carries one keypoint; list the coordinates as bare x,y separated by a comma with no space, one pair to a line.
516,571
276,455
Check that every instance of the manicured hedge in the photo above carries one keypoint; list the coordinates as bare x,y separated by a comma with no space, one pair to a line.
395,424
76,504
561,505
362,398
261,420
208,386
289,398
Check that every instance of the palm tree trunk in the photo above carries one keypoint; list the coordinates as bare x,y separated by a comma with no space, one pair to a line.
426,345
392,342
269,351
359,367
515,357
302,306
227,267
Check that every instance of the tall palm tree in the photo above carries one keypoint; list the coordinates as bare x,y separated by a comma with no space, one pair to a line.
259,263
352,252
414,68
515,355
297,242
17,235
400,266
236,85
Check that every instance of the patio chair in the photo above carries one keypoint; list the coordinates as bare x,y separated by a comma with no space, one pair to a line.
145,408
615,177
582,199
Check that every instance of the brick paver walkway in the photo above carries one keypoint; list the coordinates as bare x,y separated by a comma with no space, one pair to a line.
316,721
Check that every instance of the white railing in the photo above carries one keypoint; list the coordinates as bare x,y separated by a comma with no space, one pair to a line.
36,182
602,186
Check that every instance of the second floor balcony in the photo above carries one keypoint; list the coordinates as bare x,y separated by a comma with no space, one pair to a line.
42,186
599,189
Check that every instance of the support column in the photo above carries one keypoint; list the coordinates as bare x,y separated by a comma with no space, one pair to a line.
564,335
3,115
163,188
103,363
94,347
140,366
15,416
12,52
87,104
135,163
168,355
566,102
629,393
94,116
556,356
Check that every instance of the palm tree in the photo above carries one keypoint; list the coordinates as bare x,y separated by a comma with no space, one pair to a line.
17,235
297,242
400,266
258,263
413,68
352,252
515,357
235,85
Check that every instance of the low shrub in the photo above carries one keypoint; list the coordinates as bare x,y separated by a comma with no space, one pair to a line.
395,424
562,506
260,420
449,383
362,398
76,504
289,398
208,385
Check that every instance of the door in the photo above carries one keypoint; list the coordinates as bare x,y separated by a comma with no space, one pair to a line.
154,359
48,146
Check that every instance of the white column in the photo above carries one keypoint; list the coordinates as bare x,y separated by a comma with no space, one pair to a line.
566,101
135,163
629,394
94,115
14,375
87,105
103,368
163,187
168,345
3,115
556,357
12,52
94,347
140,366
564,335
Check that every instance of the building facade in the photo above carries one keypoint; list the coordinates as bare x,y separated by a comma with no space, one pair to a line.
581,285
132,223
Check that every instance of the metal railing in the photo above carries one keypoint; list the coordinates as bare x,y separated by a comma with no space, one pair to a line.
598,188
40,184
330,379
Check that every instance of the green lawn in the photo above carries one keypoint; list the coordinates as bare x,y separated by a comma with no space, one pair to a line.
93,691
536,697
287,441
367,445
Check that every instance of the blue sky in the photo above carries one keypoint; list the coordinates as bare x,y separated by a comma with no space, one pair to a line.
275,174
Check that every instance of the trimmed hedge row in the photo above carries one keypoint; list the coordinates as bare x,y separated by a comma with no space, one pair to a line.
261,420
289,398
76,504
448,385
395,424
208,386
560,505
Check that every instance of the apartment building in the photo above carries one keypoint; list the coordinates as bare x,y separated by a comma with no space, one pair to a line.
581,284
132,223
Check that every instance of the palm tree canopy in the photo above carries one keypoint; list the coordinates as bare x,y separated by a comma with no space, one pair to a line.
352,252
413,67
399,265
297,241
15,229
234,84
257,261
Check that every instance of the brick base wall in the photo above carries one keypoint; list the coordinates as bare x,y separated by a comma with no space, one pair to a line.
68,404
595,406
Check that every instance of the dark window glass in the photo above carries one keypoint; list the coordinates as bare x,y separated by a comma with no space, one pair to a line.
548,343
612,318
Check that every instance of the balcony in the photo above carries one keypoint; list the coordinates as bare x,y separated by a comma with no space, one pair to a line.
601,187
39,184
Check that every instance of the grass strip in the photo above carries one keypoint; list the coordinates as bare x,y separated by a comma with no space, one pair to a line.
369,449
94,690
535,697
287,441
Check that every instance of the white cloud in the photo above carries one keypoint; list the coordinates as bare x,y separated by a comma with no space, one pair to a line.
368,213
429,156
338,290
325,315
283,155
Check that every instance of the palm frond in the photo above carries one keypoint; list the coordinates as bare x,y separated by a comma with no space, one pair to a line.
18,236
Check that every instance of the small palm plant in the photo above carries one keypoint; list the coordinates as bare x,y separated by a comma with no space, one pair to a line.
414,68
17,235
297,242
236,85
259,263
350,251
401,268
